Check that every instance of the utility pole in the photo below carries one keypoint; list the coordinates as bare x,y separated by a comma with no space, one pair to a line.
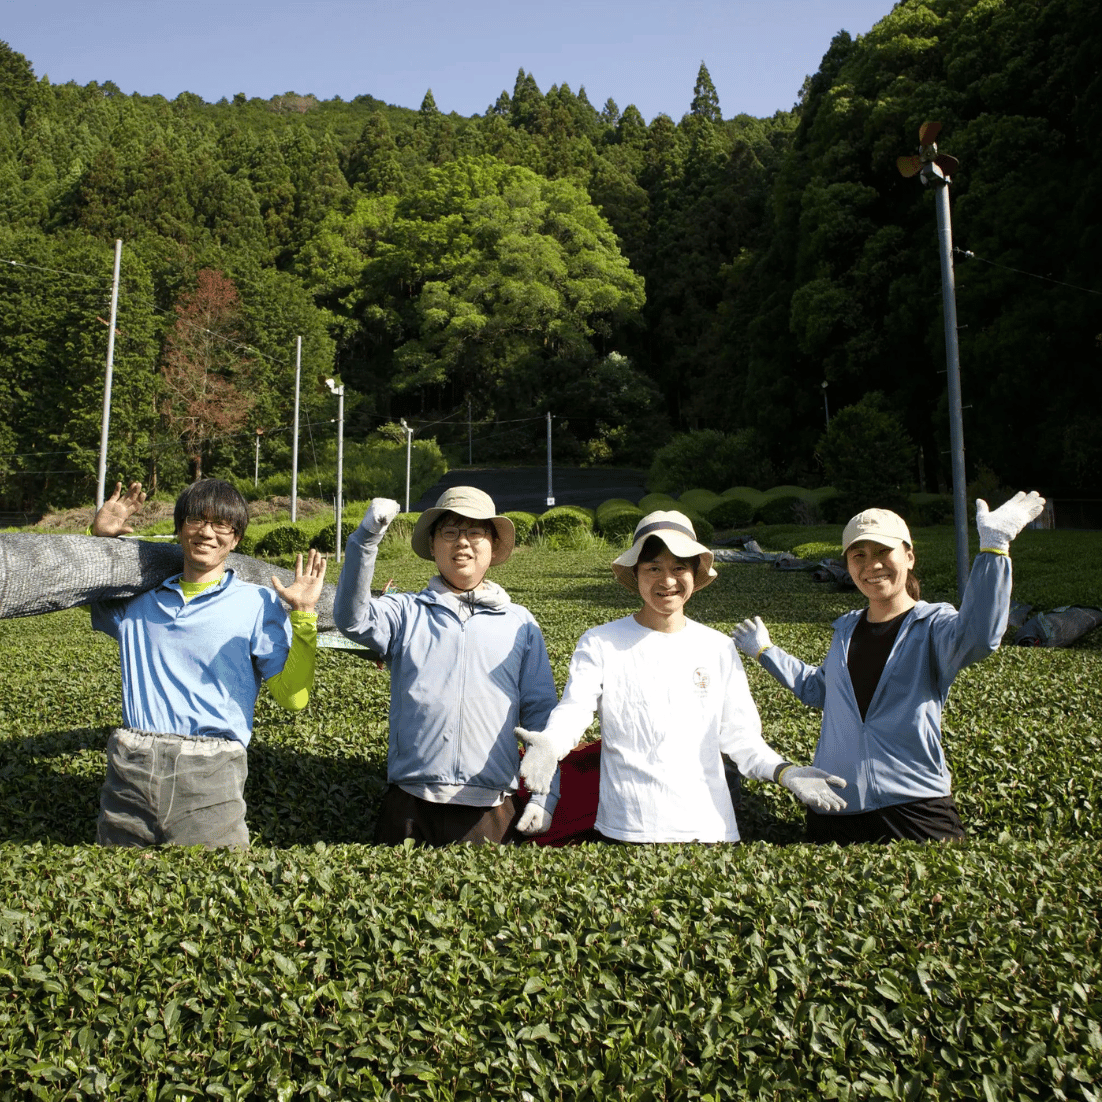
934,169
550,492
294,446
933,175
105,423
409,448
339,392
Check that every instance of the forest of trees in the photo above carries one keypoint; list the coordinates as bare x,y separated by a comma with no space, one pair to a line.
636,280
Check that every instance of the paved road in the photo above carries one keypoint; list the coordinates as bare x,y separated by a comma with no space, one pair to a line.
525,488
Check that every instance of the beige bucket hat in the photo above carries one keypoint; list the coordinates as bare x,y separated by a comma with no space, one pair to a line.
676,531
474,504
881,526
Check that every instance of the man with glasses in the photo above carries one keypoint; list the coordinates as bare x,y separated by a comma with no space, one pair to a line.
466,664
194,652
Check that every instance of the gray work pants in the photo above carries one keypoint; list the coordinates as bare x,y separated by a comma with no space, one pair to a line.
173,790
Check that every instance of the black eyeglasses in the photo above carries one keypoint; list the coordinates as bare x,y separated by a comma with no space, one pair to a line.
218,527
451,533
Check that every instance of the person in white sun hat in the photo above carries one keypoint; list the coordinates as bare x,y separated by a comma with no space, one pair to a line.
466,666
672,696
884,682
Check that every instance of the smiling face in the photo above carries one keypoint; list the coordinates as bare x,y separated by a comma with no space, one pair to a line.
665,584
462,561
880,573
205,548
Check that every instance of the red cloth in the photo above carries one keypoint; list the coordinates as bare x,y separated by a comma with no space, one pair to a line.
576,810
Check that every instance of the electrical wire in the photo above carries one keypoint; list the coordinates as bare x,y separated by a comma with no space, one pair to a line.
969,255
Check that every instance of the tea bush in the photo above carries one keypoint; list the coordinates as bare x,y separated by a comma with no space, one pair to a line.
319,966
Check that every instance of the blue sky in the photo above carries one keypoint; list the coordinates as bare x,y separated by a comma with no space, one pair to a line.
645,52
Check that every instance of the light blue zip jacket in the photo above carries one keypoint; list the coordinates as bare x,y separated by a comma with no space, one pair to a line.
457,688
895,754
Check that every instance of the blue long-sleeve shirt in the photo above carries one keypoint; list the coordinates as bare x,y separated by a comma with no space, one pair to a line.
895,754
458,687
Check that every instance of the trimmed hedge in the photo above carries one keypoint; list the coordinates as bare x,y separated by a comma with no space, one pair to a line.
700,501
782,508
616,520
524,524
564,519
731,512
650,503
286,539
326,540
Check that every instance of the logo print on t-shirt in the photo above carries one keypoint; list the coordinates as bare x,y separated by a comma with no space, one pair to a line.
701,679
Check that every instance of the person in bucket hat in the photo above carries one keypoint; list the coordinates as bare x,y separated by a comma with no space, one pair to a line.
672,697
467,665
885,679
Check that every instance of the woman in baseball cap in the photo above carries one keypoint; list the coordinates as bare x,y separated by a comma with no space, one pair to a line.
885,679
672,696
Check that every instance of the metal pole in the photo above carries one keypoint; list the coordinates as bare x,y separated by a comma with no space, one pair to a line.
826,408
256,465
294,445
470,437
932,175
340,467
409,447
101,474
550,492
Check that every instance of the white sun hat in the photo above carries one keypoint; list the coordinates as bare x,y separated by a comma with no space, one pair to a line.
676,531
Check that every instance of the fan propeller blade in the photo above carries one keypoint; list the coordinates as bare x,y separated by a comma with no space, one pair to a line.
928,132
909,166
946,163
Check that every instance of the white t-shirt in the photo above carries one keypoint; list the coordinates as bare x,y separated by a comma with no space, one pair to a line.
668,704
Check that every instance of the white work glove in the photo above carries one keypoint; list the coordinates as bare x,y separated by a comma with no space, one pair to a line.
380,513
997,529
534,820
752,637
813,787
540,761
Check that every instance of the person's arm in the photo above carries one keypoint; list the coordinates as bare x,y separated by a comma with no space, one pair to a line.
291,686
537,701
742,738
977,630
352,603
568,722
807,682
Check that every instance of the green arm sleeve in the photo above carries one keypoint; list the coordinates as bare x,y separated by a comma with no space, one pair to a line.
291,686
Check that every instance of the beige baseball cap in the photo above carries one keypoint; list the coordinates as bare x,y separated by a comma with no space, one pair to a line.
676,531
881,526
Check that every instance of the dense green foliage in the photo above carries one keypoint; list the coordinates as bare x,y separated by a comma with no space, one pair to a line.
319,966
472,274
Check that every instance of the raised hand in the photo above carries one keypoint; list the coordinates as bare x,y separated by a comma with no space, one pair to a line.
380,513
997,528
303,593
114,514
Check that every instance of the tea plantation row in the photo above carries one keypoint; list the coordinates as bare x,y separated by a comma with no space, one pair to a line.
319,966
